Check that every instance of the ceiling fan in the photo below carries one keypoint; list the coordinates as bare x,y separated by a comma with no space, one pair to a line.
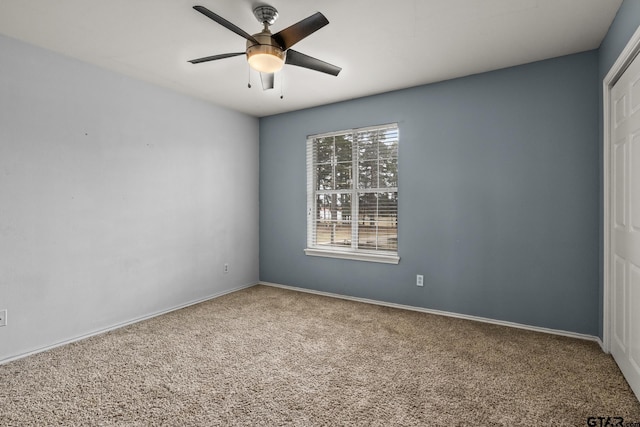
266,52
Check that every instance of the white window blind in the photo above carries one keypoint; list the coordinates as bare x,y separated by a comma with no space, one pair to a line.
352,194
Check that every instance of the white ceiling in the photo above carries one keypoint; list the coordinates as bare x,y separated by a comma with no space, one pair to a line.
381,45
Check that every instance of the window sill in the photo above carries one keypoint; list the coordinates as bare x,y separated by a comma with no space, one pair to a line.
356,256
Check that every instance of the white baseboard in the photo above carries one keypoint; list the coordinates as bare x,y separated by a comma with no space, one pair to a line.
327,294
444,313
129,322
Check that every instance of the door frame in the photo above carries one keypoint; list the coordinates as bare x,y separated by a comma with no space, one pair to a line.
628,54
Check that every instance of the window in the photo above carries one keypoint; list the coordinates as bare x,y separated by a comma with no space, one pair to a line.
352,194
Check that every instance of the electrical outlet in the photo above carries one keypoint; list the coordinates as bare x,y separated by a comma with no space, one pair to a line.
3,317
226,268
419,280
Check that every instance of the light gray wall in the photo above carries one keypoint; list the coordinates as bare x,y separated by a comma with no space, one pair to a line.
118,199
624,25
498,201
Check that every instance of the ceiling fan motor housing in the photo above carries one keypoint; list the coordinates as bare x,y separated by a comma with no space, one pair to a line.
266,56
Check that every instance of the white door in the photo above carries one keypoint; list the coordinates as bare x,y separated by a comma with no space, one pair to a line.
625,223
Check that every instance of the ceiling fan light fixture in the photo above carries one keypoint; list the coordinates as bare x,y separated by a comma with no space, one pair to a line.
265,58
267,53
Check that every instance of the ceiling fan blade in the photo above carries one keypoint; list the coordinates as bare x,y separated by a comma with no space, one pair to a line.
293,34
267,80
301,60
214,57
228,25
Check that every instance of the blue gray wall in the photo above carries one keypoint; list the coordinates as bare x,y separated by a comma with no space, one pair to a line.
624,25
118,199
498,201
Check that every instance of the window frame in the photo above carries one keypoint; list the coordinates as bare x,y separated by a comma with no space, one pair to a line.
351,253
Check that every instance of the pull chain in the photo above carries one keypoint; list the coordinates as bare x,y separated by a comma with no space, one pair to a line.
249,84
281,85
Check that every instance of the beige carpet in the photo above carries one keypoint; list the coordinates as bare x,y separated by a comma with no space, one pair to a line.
267,356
